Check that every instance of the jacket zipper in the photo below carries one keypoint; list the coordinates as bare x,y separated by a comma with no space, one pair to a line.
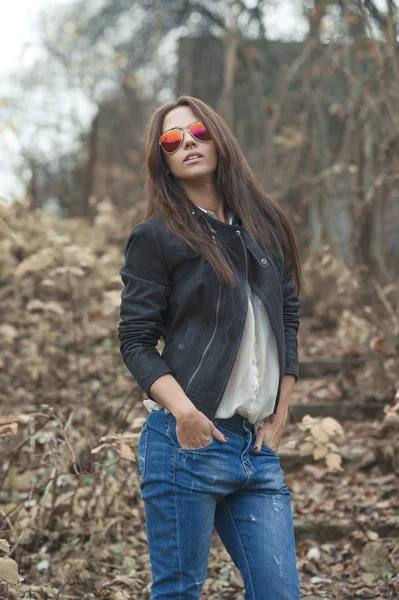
210,341
215,408
246,259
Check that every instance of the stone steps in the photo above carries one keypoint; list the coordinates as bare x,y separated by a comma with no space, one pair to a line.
342,411
335,529
322,366
291,460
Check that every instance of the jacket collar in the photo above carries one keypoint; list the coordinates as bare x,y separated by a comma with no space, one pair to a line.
221,227
228,233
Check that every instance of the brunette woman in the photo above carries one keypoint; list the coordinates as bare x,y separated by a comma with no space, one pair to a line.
214,270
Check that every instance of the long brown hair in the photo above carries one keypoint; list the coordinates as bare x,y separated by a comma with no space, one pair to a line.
236,183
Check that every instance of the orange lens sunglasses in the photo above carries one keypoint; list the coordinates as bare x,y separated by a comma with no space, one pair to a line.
171,140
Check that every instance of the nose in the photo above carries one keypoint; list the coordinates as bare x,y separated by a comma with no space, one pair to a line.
188,139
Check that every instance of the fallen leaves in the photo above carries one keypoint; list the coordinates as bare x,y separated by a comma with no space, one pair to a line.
120,443
320,441
85,528
9,424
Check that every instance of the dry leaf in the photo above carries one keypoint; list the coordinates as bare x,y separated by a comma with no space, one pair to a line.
4,227
318,432
8,332
16,419
100,447
333,461
331,426
306,448
11,428
320,452
35,263
126,452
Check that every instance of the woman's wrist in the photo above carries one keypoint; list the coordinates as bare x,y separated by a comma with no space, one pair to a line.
169,393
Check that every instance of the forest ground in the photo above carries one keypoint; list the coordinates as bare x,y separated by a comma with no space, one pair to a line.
74,518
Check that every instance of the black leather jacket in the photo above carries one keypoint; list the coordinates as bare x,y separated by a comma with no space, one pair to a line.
170,291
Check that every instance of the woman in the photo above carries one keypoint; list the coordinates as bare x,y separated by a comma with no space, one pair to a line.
211,269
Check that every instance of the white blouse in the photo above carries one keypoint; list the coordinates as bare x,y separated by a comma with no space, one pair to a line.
252,387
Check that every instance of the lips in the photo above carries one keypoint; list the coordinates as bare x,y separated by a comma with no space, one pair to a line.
198,154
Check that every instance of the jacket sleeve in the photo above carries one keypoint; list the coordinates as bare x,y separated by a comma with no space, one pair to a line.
143,302
291,307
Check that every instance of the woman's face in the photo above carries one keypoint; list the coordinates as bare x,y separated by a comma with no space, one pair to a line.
182,116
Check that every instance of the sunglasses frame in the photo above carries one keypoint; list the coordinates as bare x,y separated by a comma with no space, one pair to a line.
182,137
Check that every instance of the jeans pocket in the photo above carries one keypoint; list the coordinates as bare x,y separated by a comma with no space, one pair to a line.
266,447
172,435
142,450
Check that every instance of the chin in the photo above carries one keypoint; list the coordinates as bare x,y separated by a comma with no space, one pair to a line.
204,171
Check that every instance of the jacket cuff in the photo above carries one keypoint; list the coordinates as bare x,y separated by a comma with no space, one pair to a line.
155,376
292,366
146,365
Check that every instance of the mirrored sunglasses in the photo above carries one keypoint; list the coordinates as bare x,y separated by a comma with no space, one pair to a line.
171,140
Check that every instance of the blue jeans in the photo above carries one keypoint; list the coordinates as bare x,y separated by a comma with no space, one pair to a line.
226,485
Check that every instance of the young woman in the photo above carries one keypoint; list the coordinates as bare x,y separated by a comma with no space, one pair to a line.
211,270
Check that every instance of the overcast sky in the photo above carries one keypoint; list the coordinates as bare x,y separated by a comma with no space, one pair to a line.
19,46
17,35
16,29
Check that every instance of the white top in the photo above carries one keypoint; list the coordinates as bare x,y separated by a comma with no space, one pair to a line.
253,383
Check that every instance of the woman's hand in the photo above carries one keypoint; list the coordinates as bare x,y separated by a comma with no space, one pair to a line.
195,430
271,432
273,428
